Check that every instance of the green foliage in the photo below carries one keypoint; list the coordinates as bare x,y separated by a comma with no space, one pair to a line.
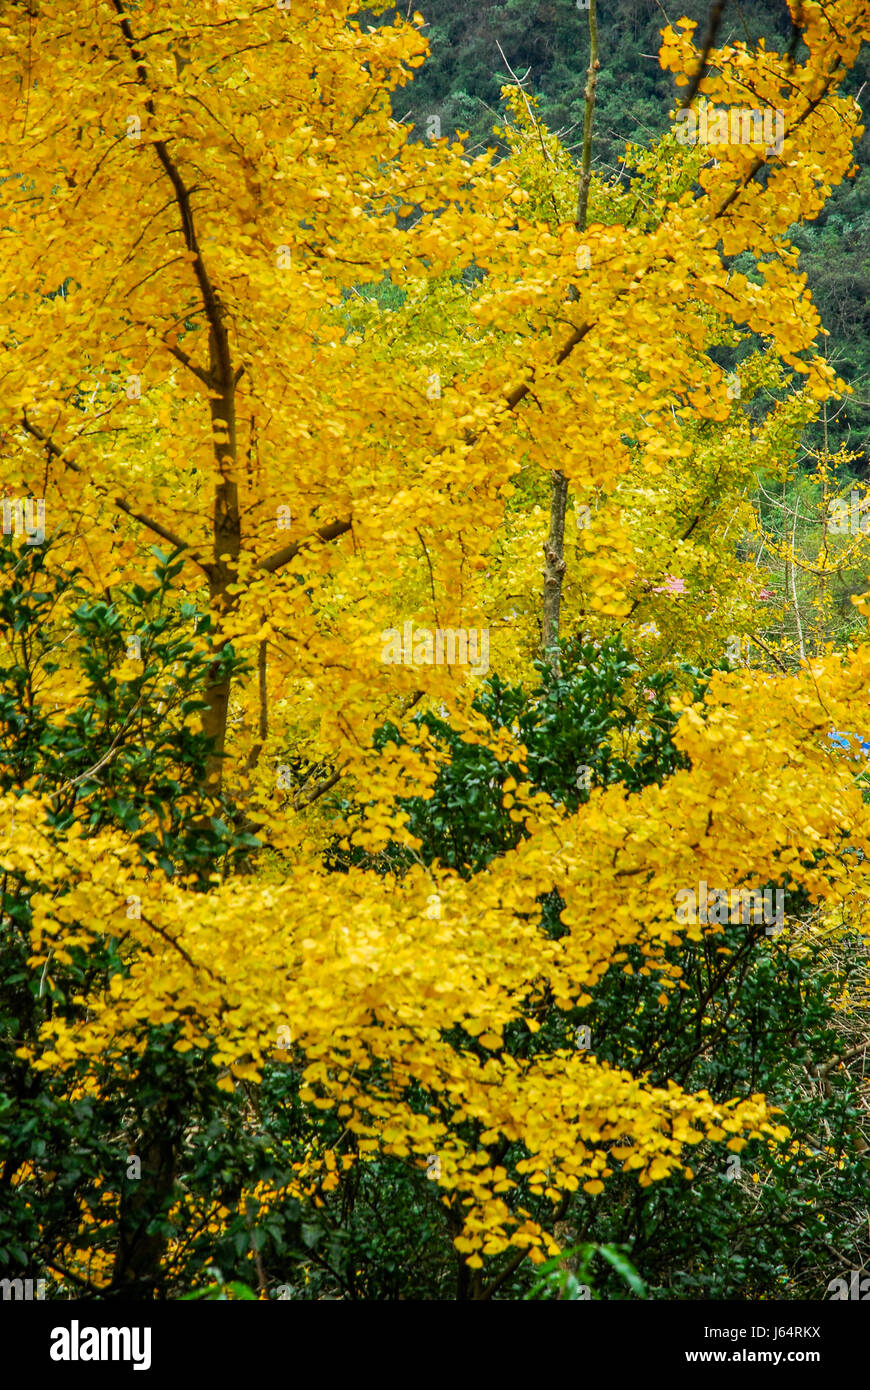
588,717
559,1280
127,755
754,1014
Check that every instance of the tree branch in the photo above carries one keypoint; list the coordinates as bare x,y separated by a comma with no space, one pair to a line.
200,372
709,39
165,534
210,298
282,557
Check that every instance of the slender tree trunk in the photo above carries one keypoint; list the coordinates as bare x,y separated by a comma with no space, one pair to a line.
790,566
221,379
554,546
139,1256
588,114
554,568
227,529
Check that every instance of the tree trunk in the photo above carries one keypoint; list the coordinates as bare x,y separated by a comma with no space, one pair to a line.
554,568
136,1271
554,546
227,528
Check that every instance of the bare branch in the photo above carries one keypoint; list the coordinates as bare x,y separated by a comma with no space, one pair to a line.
300,801
330,532
200,372
715,20
165,534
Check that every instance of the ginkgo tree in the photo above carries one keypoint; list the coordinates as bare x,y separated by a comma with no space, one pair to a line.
189,203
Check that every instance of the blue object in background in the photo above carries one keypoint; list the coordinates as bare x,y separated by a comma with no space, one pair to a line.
842,741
